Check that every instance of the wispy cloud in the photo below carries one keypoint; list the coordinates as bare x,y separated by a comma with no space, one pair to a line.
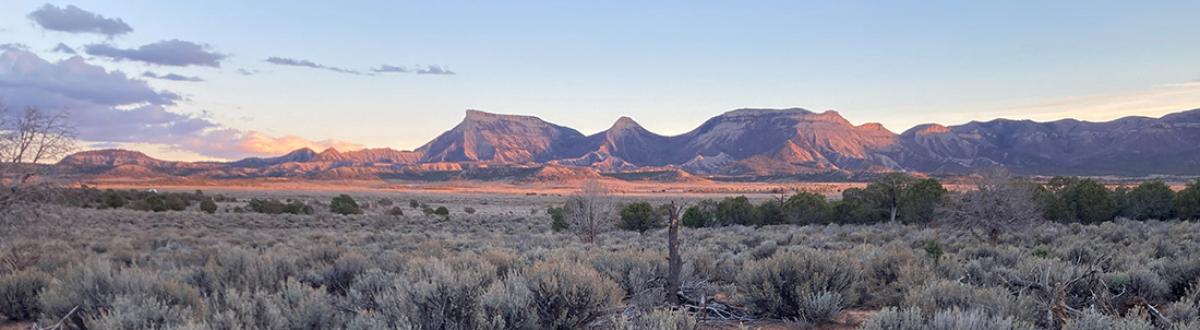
385,68
307,64
14,46
171,76
72,19
435,69
247,72
168,52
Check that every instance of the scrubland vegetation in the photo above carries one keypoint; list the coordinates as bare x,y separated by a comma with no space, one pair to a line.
1038,256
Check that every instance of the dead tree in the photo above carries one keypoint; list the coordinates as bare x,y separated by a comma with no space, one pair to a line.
674,261
996,205
27,141
588,212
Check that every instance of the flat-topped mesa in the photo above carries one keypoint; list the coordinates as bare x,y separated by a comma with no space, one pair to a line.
488,137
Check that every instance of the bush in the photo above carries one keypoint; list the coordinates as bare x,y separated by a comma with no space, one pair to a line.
701,215
664,319
507,305
1149,200
395,211
19,294
807,208
442,211
208,206
93,287
469,210
776,286
735,211
639,217
1187,202
412,203
440,294
345,205
569,295
891,318
558,221
820,307
270,206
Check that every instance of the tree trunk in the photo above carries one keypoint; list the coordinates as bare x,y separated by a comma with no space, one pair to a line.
893,217
674,263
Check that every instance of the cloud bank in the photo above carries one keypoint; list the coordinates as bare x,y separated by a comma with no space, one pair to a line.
111,107
168,52
72,19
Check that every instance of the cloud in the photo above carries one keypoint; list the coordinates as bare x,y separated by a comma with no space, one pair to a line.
390,69
171,76
63,48
247,72
72,19
306,63
110,107
434,69
168,52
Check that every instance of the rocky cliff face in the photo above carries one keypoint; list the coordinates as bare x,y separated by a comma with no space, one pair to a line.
745,142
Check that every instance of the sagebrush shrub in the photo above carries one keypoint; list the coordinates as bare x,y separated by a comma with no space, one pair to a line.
570,295
820,307
94,286
439,293
664,319
506,305
891,318
19,294
139,312
775,286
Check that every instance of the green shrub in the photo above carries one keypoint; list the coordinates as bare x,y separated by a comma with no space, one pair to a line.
639,217
1187,202
442,211
345,205
776,286
891,318
208,206
569,295
19,294
701,215
807,208
469,210
558,220
735,211
1149,200
396,211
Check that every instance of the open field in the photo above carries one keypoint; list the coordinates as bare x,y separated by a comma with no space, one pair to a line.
503,265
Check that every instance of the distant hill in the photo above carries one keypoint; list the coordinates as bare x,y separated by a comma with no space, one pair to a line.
743,143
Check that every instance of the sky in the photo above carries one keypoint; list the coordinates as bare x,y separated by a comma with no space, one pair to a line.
223,79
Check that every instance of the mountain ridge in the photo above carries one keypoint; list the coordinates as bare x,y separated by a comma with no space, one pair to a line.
746,142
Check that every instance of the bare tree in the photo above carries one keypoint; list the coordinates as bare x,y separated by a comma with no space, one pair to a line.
27,141
590,212
674,260
997,204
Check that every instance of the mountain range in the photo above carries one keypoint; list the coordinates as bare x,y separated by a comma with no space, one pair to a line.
743,144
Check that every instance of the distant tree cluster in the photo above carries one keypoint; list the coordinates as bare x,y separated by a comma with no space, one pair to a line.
141,200
895,197
271,206
996,203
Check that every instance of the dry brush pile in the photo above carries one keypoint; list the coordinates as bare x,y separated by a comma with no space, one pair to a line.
126,269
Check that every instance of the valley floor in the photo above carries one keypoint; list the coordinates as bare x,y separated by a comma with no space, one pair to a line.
502,266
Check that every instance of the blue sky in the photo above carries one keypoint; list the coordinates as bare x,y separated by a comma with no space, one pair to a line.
670,64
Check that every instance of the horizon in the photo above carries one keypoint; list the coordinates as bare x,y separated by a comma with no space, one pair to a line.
639,123
266,81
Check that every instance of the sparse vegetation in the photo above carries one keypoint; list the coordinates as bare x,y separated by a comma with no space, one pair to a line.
508,268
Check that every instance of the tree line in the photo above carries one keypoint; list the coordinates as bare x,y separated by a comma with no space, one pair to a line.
903,198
